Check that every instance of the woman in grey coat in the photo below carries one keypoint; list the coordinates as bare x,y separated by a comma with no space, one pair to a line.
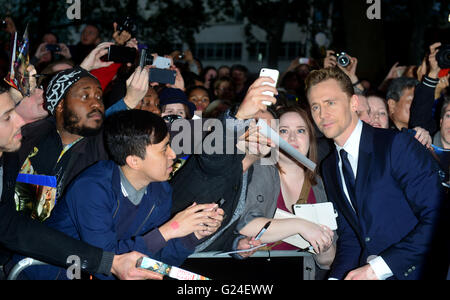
283,185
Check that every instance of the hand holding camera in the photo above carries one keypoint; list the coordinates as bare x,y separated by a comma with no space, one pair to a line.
433,63
160,71
93,60
41,51
137,87
61,49
121,36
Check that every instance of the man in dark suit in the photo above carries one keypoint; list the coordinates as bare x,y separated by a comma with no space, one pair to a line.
384,185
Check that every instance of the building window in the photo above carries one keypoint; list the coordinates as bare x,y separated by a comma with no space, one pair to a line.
288,51
219,51
258,51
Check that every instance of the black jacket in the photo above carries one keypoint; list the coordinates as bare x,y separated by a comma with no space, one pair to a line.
207,178
421,111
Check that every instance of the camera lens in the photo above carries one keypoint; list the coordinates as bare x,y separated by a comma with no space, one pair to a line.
443,57
149,60
343,60
145,59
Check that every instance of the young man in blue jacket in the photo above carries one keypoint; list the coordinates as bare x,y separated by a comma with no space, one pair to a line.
124,204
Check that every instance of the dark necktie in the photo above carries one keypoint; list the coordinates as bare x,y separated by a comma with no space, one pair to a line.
349,177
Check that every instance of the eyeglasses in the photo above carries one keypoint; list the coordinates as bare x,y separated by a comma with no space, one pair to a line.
172,118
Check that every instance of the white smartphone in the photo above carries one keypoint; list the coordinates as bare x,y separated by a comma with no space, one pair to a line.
303,61
274,74
161,62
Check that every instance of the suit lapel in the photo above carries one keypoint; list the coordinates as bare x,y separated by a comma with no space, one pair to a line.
364,164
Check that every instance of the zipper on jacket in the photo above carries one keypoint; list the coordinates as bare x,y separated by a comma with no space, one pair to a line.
145,220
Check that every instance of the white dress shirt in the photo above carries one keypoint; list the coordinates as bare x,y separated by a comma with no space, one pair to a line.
351,146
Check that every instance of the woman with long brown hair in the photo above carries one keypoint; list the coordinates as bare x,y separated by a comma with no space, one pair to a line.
294,185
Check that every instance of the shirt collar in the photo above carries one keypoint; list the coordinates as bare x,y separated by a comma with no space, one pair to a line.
351,146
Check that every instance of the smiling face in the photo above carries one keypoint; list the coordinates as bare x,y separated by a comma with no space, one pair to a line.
82,109
10,125
333,111
200,98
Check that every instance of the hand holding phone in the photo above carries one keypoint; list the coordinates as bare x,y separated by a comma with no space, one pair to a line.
274,74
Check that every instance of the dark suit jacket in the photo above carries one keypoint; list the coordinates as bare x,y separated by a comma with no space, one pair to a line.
399,196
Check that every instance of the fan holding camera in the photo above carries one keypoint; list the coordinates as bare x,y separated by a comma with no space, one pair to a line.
347,64
50,50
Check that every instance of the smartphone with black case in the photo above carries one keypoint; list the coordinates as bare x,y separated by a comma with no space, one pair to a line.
162,76
53,48
121,54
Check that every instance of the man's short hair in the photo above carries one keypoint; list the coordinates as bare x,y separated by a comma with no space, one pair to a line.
129,133
322,75
397,87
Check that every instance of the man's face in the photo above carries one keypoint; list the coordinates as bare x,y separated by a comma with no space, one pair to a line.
399,111
89,36
10,125
363,109
158,162
238,77
333,110
445,128
83,109
32,108
224,91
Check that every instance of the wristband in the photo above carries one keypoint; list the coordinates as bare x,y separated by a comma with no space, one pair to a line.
356,83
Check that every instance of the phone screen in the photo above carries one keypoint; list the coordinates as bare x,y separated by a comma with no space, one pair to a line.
121,54
162,76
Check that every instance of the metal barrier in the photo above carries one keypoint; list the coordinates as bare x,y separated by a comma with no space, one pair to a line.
22,265
309,266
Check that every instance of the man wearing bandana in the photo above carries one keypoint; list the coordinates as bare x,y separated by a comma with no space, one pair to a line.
71,139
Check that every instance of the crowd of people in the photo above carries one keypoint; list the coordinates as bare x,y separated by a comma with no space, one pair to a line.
105,133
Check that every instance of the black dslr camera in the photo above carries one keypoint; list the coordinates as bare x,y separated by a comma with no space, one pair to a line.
443,57
128,25
145,59
343,59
